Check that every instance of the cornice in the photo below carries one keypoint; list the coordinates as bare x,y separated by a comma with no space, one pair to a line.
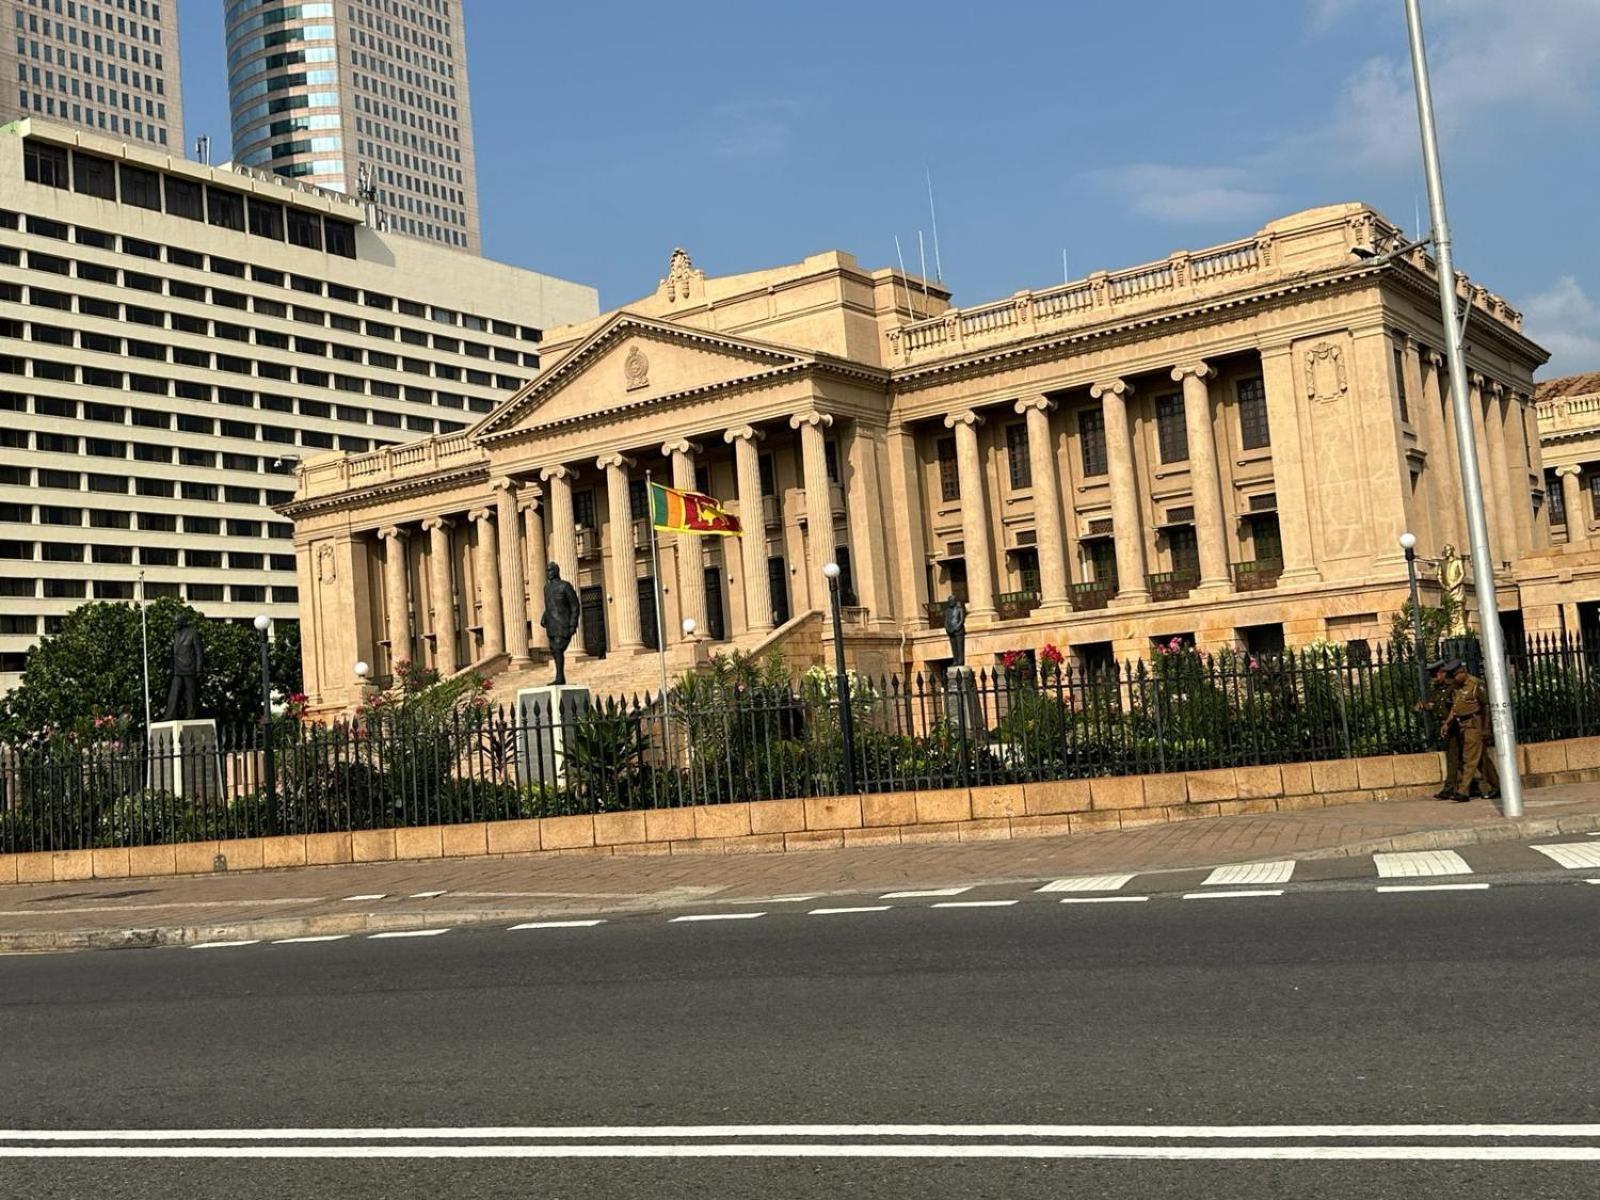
417,485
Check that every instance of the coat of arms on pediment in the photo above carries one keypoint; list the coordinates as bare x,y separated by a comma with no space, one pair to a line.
636,369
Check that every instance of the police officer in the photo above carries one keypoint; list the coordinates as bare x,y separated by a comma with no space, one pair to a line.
1440,698
1467,715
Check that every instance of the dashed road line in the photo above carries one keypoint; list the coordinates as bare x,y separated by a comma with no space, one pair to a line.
1103,899
304,941
407,933
1411,863
425,895
1246,874
586,924
371,896
1087,883
860,908
973,904
1575,856
1434,887
738,916
225,945
1236,895
917,895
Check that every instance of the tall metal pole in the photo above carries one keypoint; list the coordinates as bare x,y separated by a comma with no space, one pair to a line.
1494,651
847,733
1416,623
269,765
144,641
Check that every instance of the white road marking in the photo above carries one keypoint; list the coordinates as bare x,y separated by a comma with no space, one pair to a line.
1573,855
870,1150
954,891
785,899
1245,874
1434,887
407,933
1103,899
742,916
973,904
557,925
1087,883
645,1132
301,941
225,945
1592,880
1420,862
834,912
372,896
424,895
1232,895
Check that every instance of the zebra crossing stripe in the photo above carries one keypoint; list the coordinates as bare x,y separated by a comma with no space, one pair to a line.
1248,874
1575,856
1414,863
1087,883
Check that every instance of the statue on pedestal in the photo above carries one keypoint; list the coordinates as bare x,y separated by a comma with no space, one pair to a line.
561,616
1453,583
955,628
188,668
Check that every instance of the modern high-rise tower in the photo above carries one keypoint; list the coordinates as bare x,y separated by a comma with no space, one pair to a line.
106,65
321,92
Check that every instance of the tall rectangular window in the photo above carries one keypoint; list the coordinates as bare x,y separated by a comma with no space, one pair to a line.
949,471
1254,432
184,199
225,209
1184,547
44,163
141,188
1171,429
1557,502
1400,383
1092,438
94,176
1017,455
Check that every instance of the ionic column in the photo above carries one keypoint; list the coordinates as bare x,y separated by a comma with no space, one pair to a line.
442,588
691,559
624,580
819,502
1289,465
513,571
488,572
1452,512
1489,476
1518,467
1047,512
974,514
1210,530
1127,526
753,545
396,602
1572,501
534,545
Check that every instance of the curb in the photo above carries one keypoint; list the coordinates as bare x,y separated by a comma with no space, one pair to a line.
1505,830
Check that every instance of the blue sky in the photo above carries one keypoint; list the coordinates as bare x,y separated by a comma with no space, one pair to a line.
755,133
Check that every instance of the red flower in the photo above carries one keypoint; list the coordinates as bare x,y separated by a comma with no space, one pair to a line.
1052,654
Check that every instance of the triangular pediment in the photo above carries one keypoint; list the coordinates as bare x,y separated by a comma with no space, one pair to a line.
628,363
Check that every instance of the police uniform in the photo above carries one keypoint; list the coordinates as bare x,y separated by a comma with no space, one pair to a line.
1441,696
1468,716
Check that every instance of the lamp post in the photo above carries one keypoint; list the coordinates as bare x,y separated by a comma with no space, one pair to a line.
847,733
268,765
1408,543
1494,652
688,627
362,671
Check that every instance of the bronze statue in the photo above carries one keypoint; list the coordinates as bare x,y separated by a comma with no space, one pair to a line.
955,628
188,668
560,620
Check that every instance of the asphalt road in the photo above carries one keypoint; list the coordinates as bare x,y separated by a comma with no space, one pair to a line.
1312,1009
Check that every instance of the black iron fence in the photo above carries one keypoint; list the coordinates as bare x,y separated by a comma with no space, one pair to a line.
757,738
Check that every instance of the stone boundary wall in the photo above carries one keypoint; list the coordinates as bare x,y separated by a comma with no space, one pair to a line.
991,813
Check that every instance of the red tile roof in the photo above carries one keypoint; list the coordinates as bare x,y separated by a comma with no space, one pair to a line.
1587,384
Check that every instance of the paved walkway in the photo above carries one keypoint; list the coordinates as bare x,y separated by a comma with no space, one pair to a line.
376,896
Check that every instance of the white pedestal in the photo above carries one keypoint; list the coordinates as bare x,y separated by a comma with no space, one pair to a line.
184,760
544,717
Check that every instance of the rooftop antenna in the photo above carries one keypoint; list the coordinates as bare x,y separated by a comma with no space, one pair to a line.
202,149
938,265
923,255
1065,278
367,193
905,278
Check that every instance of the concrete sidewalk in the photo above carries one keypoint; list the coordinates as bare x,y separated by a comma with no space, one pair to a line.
380,896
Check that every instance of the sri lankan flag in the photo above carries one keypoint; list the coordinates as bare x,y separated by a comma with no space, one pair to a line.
689,512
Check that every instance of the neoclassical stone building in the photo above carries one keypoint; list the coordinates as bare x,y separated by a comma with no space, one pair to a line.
1223,446
1560,585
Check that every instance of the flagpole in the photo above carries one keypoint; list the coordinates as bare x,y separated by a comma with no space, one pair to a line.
661,627
144,639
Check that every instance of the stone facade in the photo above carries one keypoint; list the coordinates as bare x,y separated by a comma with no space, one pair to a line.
1221,446
1561,586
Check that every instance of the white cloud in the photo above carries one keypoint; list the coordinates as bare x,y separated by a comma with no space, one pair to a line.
1188,194
1565,321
